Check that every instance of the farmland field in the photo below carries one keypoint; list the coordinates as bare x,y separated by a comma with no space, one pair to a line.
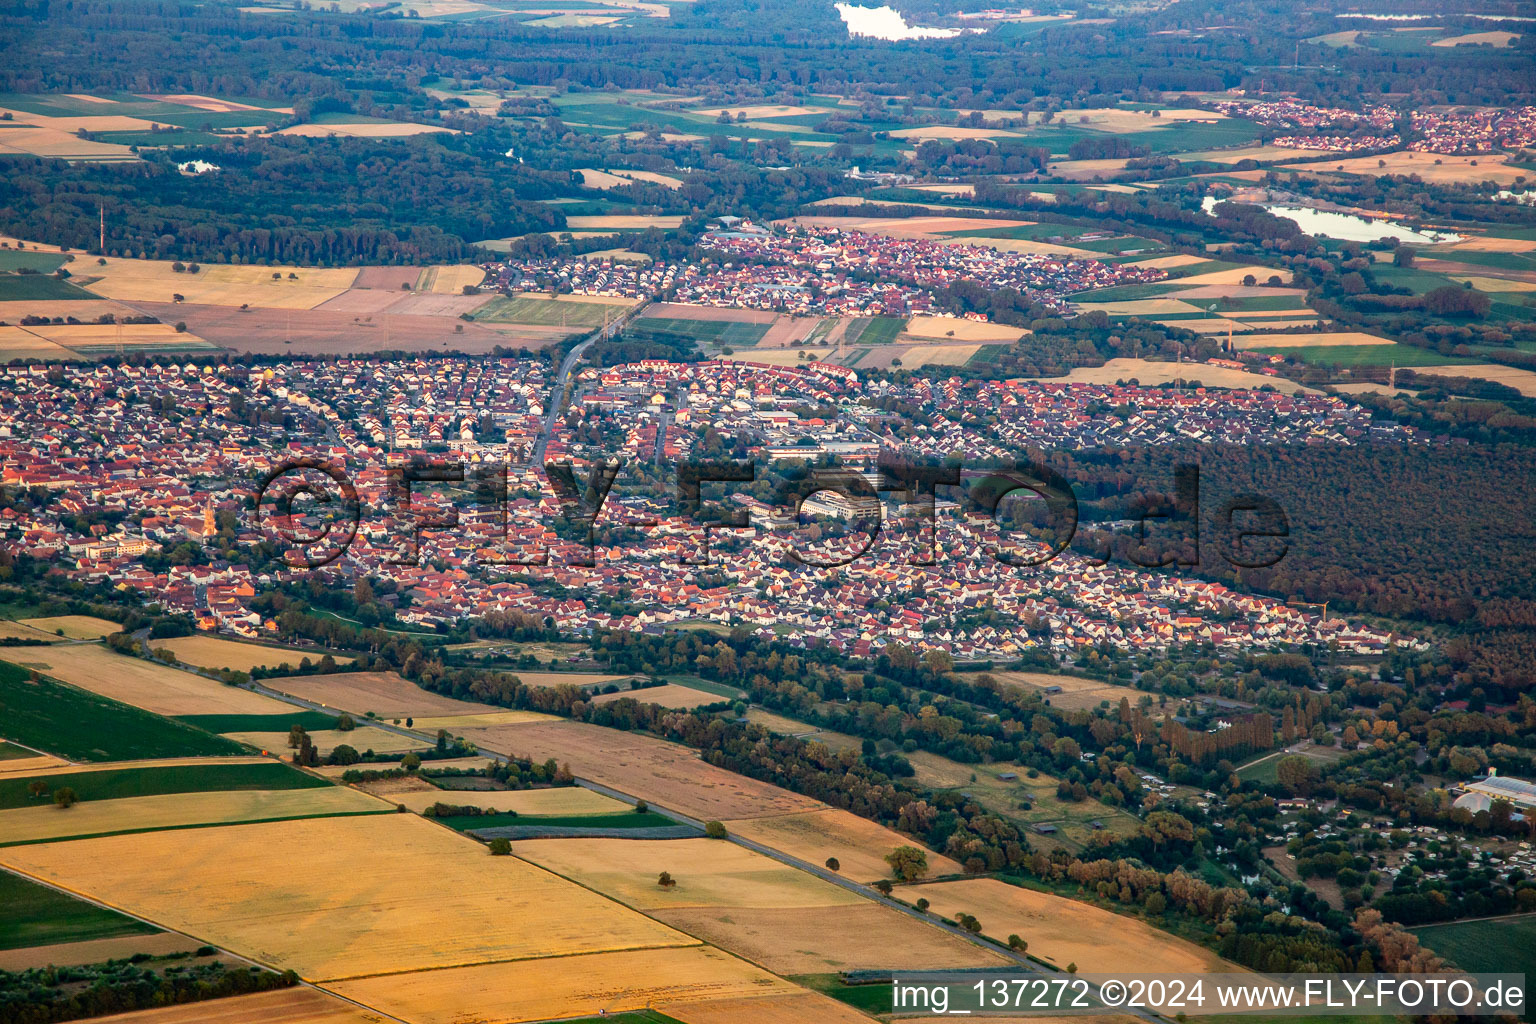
161,779
384,693
213,653
84,727
800,940
144,684
792,1008
669,696
216,284
363,738
666,774
425,897
668,979
35,915
180,810
561,800
1496,944
296,1005
74,627
860,845
546,312
709,873
733,333
1062,931
94,951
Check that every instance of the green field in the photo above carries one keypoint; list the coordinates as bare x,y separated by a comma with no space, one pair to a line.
312,721
876,330
873,998
34,915
84,727
1362,355
15,287
546,312
1498,945
732,333
178,137
119,783
42,262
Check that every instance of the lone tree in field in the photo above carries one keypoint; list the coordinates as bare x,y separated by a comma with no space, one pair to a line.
665,880
1017,944
833,865
345,724
969,923
641,807
64,797
501,847
411,762
36,788
908,863
714,830
884,886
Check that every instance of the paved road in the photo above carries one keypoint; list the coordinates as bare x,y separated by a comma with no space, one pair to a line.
563,380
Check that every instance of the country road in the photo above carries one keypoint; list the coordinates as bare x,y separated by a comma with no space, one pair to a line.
563,379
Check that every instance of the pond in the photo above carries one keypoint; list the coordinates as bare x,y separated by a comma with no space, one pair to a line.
887,23
1348,227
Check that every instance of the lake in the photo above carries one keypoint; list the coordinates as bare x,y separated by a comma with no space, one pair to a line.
887,23
1348,227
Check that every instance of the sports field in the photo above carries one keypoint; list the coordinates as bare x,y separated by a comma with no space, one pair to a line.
144,684
213,653
85,727
370,893
1062,931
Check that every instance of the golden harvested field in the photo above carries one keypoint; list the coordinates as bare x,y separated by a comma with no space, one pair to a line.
372,893
363,738
296,1005
571,986
932,355
1076,692
1523,381
770,357
30,765
594,178
213,104
1489,243
574,21
1141,307
793,727
129,336
388,130
582,679
1496,284
94,951
1235,275
1494,39
709,873
218,284
56,142
144,684
946,190
387,694
15,630
212,652
1087,170
570,800
961,329
21,343
450,279
860,845
624,221
794,1008
75,627
1064,931
1439,170
663,773
1307,340
1182,259
1148,372
762,110
336,771
938,227
818,940
178,810
668,696
453,722
950,132
1115,120
1263,154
